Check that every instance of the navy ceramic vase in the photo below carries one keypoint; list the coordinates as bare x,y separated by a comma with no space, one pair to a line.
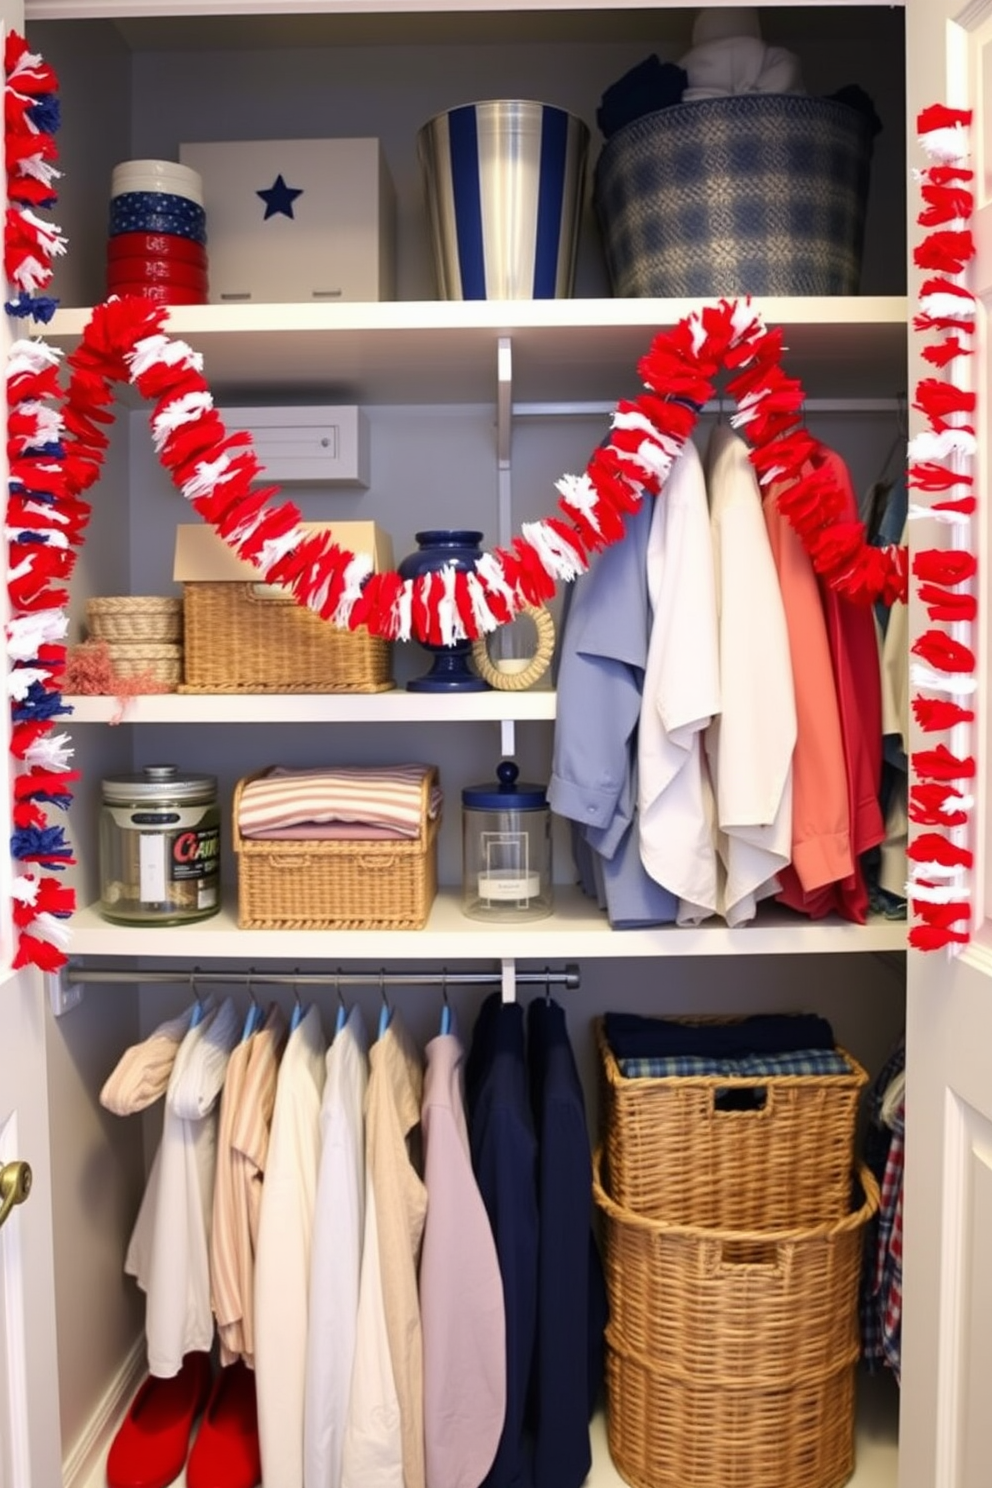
437,549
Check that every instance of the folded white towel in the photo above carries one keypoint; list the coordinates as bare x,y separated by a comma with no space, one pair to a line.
739,64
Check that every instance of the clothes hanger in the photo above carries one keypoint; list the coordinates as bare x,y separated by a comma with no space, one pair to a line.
342,1015
253,1018
445,1006
298,1009
199,1007
385,1012
547,986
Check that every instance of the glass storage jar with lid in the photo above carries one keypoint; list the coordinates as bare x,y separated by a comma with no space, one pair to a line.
159,847
506,849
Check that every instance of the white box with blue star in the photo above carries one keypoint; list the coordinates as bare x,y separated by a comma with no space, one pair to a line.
291,220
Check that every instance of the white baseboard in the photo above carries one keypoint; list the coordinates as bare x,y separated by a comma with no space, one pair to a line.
95,1437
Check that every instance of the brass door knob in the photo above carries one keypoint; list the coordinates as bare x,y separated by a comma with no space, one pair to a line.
15,1185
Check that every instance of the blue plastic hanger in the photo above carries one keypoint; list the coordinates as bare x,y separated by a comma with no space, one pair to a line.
298,1009
253,1018
342,1016
198,1007
385,1012
445,1008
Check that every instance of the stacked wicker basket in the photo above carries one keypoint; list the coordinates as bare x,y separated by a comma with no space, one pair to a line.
733,1249
143,635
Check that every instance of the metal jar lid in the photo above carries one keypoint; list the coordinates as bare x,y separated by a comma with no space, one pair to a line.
159,783
507,793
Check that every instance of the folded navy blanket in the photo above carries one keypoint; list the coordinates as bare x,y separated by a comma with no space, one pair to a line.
632,1036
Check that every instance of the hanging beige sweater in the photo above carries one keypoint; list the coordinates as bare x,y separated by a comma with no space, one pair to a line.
393,1103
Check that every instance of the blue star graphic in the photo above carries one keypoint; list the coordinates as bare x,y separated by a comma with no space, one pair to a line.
279,198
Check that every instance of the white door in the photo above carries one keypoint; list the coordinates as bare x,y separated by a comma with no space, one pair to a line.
30,1439
946,1420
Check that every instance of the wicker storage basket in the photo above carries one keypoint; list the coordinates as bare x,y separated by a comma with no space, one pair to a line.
238,640
337,885
163,662
731,1353
135,619
672,1152
760,194
756,1305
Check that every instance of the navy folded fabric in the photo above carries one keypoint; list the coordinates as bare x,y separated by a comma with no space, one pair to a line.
632,1036
649,86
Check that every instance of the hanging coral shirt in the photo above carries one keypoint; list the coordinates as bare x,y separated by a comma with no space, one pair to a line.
821,817
854,655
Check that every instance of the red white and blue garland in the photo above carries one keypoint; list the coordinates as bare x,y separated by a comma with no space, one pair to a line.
57,441
940,472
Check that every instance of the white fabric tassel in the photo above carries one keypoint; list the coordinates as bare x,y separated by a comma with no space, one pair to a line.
357,571
579,492
47,423
28,632
276,548
403,610
448,618
939,446
948,144
490,571
25,889
22,679
47,234
188,409
916,513
209,474
31,274
948,306
937,893
29,357
158,348
558,558
485,620
55,539
952,682
50,751
49,927
936,870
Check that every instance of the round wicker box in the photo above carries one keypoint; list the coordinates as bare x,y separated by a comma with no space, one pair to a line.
135,619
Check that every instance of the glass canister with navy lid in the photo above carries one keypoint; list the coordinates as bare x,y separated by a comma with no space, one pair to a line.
159,847
506,848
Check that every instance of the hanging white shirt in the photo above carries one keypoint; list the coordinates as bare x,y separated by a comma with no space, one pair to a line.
170,1246
681,693
749,747
335,1259
373,1437
282,1261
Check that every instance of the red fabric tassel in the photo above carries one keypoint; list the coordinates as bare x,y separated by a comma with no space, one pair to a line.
945,252
941,116
938,649
931,938
935,714
928,476
41,953
941,764
943,915
933,847
965,506
943,352
941,401
944,203
945,606
944,565
931,805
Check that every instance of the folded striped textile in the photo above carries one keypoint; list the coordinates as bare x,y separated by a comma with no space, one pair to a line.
379,796
748,1066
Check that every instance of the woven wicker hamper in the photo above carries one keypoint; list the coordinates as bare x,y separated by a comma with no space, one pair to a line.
337,885
672,1152
245,636
761,194
731,1354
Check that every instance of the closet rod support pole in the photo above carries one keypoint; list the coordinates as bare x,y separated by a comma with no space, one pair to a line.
509,979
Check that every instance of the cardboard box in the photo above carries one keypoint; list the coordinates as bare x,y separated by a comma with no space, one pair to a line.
292,220
326,446
241,635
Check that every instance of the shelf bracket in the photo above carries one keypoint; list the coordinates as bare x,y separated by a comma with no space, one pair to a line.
504,401
63,993
508,738
509,979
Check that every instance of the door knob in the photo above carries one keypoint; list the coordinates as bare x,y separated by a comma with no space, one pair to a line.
15,1185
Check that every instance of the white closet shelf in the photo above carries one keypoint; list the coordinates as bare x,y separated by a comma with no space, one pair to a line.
429,351
576,931
397,706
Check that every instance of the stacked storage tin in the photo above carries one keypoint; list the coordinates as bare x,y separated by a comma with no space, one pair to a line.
157,233
734,1219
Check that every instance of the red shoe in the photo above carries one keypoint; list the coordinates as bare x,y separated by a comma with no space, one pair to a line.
226,1452
152,1442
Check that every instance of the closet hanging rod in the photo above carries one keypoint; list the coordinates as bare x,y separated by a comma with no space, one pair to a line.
811,405
567,977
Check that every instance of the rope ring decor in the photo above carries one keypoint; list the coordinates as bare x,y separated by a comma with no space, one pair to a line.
535,668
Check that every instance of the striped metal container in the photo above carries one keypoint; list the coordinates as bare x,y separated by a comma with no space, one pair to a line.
504,182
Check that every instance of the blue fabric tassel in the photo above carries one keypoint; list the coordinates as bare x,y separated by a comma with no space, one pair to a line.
38,307
39,704
46,113
40,842
64,800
